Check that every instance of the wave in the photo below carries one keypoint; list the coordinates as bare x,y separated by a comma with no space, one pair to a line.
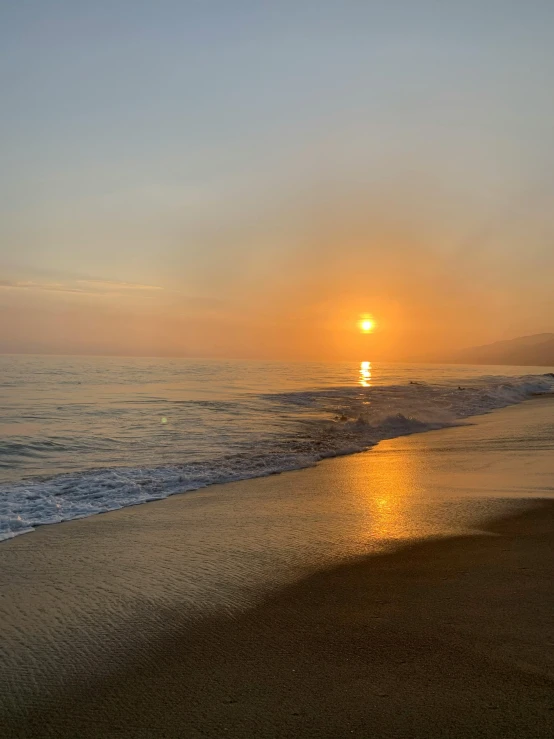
330,422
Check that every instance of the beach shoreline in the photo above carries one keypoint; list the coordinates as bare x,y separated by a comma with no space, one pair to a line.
375,600
113,446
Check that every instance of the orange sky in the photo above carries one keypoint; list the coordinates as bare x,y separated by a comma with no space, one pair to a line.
206,180
291,282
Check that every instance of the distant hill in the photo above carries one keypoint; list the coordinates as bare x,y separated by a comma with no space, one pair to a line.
535,350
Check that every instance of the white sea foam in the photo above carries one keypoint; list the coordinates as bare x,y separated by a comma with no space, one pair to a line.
320,424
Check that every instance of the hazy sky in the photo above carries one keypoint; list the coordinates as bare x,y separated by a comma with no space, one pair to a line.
217,178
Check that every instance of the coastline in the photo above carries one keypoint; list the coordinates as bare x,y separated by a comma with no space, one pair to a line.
47,481
104,635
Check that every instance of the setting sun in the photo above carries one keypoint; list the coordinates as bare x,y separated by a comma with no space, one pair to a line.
367,325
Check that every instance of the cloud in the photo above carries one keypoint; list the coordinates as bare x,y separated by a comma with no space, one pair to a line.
31,285
111,285
81,286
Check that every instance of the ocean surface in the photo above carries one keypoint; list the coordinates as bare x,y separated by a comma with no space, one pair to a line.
80,436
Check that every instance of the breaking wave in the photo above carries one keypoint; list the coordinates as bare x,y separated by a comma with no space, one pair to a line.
319,424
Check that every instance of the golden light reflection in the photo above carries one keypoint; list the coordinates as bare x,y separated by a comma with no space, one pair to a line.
365,374
390,498
385,486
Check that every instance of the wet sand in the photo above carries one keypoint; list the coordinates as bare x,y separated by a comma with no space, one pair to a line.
443,638
446,637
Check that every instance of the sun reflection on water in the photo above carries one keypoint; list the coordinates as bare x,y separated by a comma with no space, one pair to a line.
365,374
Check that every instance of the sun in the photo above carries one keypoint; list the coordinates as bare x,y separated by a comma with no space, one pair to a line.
367,325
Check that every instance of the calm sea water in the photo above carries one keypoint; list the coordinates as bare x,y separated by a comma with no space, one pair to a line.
80,436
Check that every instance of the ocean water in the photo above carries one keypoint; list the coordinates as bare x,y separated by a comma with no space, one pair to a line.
80,436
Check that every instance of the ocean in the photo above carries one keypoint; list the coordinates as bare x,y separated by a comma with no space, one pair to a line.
85,435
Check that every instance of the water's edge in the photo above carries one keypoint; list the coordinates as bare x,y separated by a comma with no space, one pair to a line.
356,427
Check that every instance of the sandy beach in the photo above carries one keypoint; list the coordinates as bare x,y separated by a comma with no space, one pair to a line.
405,592
276,370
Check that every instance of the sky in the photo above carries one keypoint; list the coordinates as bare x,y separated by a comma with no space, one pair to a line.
247,179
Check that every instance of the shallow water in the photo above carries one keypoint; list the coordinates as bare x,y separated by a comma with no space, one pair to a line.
80,436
